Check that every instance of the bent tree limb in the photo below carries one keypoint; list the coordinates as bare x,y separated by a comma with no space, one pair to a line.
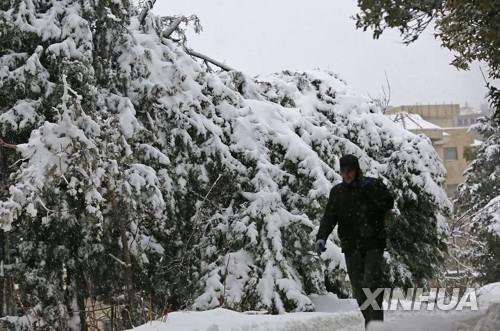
168,32
175,24
147,7
6,145
208,59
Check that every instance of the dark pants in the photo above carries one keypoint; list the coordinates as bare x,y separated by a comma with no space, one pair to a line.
365,271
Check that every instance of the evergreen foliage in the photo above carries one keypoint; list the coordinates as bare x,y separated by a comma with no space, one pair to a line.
478,200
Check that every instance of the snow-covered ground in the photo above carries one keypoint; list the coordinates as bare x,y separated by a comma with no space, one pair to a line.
340,315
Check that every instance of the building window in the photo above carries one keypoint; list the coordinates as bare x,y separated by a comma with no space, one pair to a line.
450,153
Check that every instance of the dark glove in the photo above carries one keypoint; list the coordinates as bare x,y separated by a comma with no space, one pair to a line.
319,247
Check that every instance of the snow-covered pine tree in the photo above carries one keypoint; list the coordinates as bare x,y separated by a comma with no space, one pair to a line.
80,201
478,203
143,178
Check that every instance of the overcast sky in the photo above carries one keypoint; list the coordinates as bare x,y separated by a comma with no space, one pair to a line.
264,36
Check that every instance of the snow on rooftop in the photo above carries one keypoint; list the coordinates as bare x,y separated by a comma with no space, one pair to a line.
468,110
477,142
412,121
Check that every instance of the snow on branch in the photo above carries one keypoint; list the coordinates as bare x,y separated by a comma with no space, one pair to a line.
147,7
118,260
208,59
175,24
172,27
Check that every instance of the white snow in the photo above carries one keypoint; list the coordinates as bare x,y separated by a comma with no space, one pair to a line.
488,295
221,319
477,142
21,115
336,314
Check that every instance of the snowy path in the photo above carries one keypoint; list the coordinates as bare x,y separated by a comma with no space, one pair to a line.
336,315
226,320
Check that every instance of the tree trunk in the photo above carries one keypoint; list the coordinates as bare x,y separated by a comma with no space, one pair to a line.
81,294
7,306
121,220
128,268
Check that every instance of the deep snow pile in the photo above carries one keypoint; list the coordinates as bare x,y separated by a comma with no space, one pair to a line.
143,175
339,314
226,320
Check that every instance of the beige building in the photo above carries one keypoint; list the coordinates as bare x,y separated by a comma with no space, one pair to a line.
440,124
442,115
457,143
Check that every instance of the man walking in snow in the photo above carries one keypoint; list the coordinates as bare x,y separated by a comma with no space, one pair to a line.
358,206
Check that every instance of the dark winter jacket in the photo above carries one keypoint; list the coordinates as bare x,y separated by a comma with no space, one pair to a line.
358,208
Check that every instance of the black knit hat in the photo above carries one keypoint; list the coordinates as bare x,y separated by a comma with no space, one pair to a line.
349,162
